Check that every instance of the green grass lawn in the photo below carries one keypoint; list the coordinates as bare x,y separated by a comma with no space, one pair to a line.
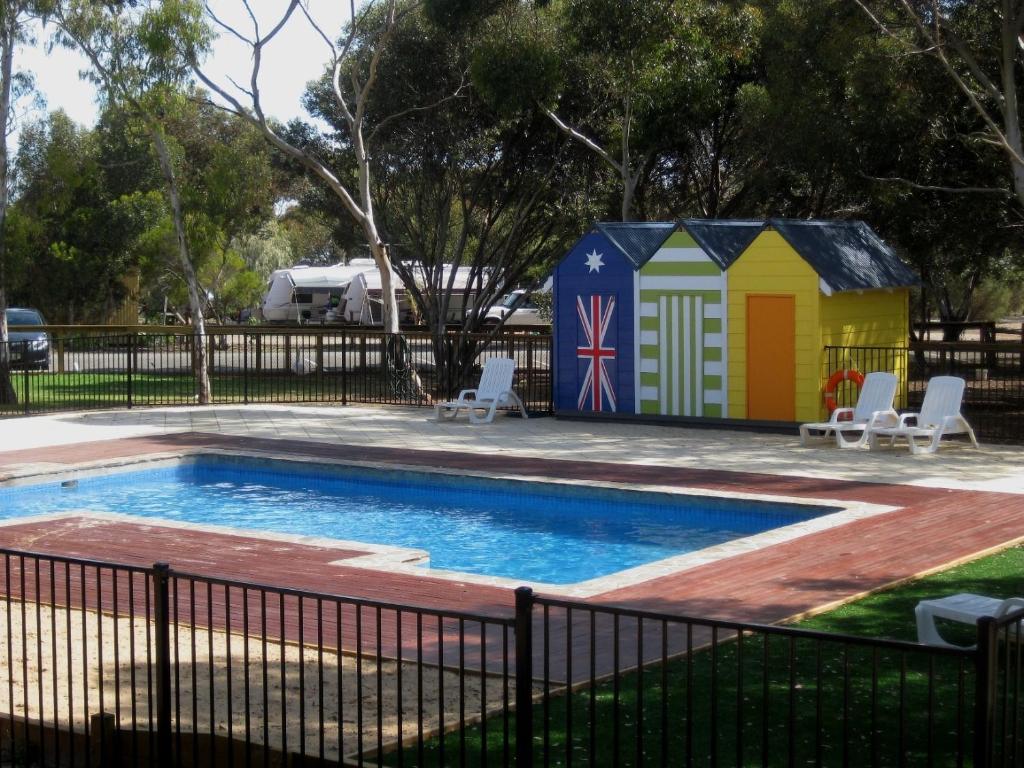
80,390
870,707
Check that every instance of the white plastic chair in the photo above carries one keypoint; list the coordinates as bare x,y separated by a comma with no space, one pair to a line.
939,416
964,608
494,390
874,408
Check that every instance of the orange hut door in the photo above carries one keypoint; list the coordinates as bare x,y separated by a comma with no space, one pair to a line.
771,358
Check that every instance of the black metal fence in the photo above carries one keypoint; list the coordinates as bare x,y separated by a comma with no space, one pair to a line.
263,365
1000,667
994,395
108,664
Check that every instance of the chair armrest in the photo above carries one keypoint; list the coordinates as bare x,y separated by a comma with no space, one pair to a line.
464,394
905,417
1009,605
834,419
884,418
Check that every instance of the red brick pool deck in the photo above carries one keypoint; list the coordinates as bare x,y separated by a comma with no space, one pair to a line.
931,528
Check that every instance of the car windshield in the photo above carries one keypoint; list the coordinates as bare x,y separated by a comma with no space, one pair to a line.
24,317
511,299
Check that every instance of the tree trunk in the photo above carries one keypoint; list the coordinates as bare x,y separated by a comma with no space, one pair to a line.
628,193
382,258
199,352
8,395
7,392
1010,105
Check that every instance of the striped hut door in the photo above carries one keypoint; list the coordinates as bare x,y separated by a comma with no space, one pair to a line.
681,354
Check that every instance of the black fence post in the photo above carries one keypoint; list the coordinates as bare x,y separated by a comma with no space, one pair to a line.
524,677
985,686
161,604
344,367
131,365
551,372
28,381
246,337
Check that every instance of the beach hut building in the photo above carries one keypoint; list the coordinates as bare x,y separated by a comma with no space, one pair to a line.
594,317
682,319
801,286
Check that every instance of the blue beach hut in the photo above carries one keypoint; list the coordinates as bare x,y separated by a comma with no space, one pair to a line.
594,297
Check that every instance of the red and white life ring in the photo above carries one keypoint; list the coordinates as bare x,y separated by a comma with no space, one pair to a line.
845,374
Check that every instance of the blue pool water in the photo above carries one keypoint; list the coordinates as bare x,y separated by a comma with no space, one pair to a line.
538,532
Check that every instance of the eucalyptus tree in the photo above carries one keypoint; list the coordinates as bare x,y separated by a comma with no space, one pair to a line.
139,52
627,81
978,44
16,16
871,132
71,231
463,192
354,61
228,189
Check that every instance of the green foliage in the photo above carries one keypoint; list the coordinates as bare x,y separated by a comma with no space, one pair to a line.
91,206
513,72
996,298
71,236
455,15
731,108
545,305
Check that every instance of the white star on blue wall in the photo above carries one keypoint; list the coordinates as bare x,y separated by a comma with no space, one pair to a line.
594,261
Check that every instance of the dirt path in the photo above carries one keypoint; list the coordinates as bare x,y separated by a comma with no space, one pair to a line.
300,698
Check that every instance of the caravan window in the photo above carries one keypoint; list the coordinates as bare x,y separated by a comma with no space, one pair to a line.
302,298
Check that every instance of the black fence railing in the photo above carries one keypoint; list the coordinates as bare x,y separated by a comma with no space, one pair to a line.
993,398
107,664
263,365
1000,702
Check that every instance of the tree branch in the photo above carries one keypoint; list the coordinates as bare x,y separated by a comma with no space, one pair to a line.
936,187
582,138
412,110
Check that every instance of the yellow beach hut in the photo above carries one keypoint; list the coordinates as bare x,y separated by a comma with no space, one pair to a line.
799,287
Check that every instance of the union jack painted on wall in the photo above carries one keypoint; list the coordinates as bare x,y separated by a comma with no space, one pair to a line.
596,353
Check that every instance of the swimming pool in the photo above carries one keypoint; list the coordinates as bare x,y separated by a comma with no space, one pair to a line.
541,532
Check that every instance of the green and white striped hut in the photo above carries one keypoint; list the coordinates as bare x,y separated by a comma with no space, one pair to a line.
681,318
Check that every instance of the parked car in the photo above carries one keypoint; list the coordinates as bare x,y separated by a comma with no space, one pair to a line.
29,348
526,313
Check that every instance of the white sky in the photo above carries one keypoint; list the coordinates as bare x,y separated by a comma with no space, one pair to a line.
296,56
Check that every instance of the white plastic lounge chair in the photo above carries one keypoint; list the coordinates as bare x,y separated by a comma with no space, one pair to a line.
874,408
939,416
965,608
494,390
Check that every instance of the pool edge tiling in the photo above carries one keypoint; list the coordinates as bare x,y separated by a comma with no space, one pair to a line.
929,528
410,558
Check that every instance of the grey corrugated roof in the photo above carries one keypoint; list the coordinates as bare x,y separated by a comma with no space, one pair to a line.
847,255
723,239
637,240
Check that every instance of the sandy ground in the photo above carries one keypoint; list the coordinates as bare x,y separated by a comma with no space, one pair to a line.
316,695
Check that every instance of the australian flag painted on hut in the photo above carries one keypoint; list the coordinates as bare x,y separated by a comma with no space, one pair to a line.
594,317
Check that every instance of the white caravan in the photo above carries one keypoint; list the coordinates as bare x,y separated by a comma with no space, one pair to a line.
462,294
305,294
362,303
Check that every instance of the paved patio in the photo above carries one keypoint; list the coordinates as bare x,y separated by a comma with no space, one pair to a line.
957,466
943,508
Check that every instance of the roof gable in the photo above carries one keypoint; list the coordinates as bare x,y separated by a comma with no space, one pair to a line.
723,240
847,255
637,241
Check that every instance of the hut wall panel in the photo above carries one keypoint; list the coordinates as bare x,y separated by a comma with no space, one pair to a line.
574,278
866,319
769,266
681,324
